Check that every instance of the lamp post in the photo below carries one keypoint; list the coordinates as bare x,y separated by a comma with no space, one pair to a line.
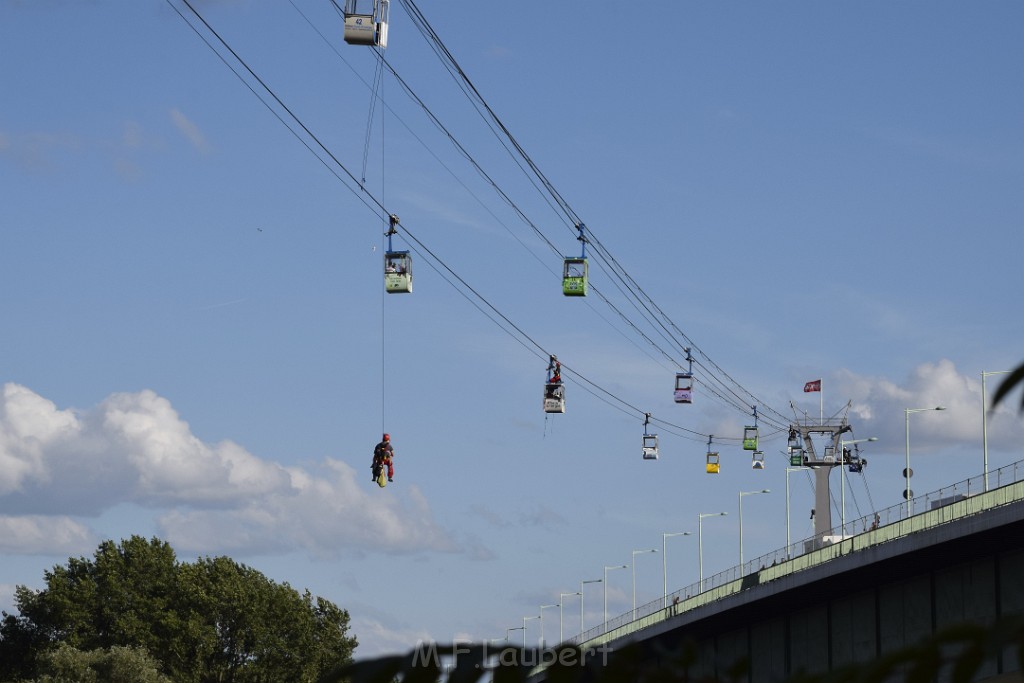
842,476
906,472
788,470
664,563
516,628
746,493
635,553
561,597
984,422
526,619
700,546
581,599
542,608
620,566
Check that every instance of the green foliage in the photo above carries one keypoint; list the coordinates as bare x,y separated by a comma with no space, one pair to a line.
211,620
955,655
114,665
1007,385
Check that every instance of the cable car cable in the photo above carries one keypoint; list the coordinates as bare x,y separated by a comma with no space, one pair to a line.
424,26
359,190
356,187
650,317
374,93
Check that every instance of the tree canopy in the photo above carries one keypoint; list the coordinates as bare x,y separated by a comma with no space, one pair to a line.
209,620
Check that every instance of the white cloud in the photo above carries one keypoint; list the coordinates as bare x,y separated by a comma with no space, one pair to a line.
879,404
190,130
377,639
42,535
324,516
135,448
39,151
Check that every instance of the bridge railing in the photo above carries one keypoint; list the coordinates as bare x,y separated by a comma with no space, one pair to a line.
947,495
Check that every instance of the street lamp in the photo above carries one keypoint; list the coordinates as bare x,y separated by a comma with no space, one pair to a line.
582,583
635,553
664,563
526,619
620,566
581,599
984,422
788,470
700,546
542,608
842,476
746,493
561,597
516,628
906,472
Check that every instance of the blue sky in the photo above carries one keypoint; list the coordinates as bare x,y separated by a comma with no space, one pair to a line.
197,345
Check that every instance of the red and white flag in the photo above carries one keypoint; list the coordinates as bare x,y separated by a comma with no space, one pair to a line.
812,386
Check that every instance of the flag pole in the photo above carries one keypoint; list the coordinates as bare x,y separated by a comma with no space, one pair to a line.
821,404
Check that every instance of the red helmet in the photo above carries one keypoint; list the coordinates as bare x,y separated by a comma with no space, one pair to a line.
387,437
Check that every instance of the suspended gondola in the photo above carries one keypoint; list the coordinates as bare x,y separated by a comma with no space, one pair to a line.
362,28
750,435
574,269
684,383
750,438
711,466
650,442
796,449
757,460
554,390
855,463
397,265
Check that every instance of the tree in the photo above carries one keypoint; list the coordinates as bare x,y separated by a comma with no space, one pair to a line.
211,620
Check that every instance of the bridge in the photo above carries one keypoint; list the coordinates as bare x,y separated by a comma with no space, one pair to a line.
869,588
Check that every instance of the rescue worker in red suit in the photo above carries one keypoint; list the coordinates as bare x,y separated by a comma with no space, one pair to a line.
383,455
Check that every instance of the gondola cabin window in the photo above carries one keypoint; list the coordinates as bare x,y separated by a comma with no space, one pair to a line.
650,447
397,272
750,438
684,388
554,398
574,276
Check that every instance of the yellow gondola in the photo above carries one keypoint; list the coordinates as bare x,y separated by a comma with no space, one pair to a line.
712,461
